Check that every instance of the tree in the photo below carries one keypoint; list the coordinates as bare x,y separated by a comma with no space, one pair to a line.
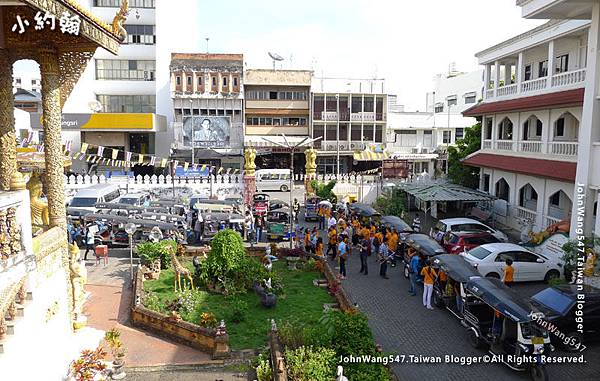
325,191
391,205
458,172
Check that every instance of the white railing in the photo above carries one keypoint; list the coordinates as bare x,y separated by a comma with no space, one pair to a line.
530,146
548,220
564,148
489,93
533,85
507,90
568,78
526,214
505,145
487,144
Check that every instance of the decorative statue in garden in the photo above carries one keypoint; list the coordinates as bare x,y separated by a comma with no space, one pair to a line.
14,231
40,219
249,156
267,298
78,280
180,270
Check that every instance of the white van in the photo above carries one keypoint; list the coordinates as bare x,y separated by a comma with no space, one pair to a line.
273,180
85,199
135,199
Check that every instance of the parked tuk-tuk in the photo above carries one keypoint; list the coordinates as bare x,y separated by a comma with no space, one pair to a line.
119,209
396,223
311,208
144,227
278,224
216,221
501,318
420,243
173,206
260,204
364,212
450,293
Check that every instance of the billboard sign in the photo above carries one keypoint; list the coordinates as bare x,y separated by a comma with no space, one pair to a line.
207,131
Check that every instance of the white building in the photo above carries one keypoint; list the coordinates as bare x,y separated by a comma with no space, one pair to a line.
26,80
123,85
540,134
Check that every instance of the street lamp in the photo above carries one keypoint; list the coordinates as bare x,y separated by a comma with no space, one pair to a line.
130,228
292,147
337,101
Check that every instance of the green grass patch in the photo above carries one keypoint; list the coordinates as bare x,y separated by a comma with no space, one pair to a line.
301,302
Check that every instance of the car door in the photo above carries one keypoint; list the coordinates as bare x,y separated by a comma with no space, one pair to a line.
500,263
527,267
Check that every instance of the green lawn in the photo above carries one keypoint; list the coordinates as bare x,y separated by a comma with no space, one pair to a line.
302,302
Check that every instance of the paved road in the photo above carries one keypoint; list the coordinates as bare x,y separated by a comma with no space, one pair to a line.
403,326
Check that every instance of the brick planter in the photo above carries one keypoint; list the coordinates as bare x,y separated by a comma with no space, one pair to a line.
213,341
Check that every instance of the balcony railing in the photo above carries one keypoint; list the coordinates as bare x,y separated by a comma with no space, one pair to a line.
489,93
548,220
526,214
564,148
530,146
487,144
507,90
505,145
568,78
534,85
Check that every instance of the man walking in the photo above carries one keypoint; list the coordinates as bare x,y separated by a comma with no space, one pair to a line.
89,242
296,209
331,222
413,271
416,224
364,254
384,257
343,251
198,228
332,242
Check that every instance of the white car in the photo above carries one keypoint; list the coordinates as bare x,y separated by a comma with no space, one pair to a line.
468,225
489,259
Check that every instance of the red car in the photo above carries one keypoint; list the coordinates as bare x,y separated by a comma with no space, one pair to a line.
457,242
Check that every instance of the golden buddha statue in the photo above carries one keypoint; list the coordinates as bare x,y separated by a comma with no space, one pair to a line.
40,219
590,262
249,165
78,281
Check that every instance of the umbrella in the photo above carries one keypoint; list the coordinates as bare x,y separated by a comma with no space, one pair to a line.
326,203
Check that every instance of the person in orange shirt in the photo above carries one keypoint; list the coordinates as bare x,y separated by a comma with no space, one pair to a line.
429,275
307,240
392,238
509,273
319,247
365,232
332,243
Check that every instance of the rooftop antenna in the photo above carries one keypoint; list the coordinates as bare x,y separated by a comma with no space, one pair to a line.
275,57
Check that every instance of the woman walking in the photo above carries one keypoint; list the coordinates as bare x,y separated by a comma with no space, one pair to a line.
429,275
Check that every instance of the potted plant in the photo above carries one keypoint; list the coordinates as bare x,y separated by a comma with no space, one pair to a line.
113,339
89,366
292,257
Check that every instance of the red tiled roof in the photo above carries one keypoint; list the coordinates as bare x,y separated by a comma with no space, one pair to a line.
561,98
552,169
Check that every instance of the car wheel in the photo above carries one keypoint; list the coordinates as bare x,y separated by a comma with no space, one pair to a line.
474,340
438,300
552,274
284,188
406,272
493,275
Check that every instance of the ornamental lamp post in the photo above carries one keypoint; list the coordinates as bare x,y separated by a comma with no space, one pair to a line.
130,228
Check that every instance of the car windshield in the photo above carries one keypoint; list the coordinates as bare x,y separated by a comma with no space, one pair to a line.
441,226
128,201
453,239
479,252
554,300
531,329
83,202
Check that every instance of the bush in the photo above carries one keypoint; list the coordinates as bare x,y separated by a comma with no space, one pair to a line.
263,369
226,255
391,205
238,309
310,364
324,191
152,302
292,335
208,320
150,251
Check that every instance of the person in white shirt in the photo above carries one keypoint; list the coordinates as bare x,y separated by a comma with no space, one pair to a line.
331,222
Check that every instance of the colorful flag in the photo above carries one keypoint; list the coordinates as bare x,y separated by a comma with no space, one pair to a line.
163,163
152,160
185,166
40,147
84,147
115,153
100,150
203,168
128,156
140,158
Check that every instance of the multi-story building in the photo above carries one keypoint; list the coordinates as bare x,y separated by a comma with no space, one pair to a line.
27,81
538,133
207,94
349,115
276,102
122,86
28,100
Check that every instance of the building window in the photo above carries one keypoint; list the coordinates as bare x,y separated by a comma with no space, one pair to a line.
125,70
224,81
555,199
505,129
140,34
527,72
459,133
538,128
117,3
562,64
470,98
128,103
406,138
200,80
451,100
214,81
486,183
439,107
542,69
488,128
178,80
189,81
235,81
355,133
446,137
560,127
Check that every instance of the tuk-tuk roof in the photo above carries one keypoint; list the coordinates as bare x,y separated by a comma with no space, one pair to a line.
397,223
200,200
425,244
364,210
223,216
284,209
455,267
168,203
108,217
148,216
261,197
124,220
503,299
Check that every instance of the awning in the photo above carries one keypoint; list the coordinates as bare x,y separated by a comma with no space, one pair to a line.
368,155
413,156
259,140
443,192
561,98
552,169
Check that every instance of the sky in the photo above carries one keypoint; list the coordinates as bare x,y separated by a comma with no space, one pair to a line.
405,42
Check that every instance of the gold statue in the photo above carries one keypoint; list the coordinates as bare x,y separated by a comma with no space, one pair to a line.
40,218
14,231
5,249
311,161
119,20
590,262
78,281
249,166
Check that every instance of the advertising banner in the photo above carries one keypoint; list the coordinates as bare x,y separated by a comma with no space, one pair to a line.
207,131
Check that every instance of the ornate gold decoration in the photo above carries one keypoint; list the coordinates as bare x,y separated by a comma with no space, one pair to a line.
71,65
7,298
119,21
78,280
311,161
249,165
8,143
17,181
14,231
39,208
4,237
590,262
51,311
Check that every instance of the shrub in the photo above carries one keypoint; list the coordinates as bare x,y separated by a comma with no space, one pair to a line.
152,302
263,369
310,364
292,335
324,191
226,255
150,251
208,320
237,310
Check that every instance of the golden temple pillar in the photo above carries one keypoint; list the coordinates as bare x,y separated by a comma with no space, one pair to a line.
49,70
8,144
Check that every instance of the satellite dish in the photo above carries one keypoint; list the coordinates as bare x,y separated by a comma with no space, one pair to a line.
275,56
95,106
